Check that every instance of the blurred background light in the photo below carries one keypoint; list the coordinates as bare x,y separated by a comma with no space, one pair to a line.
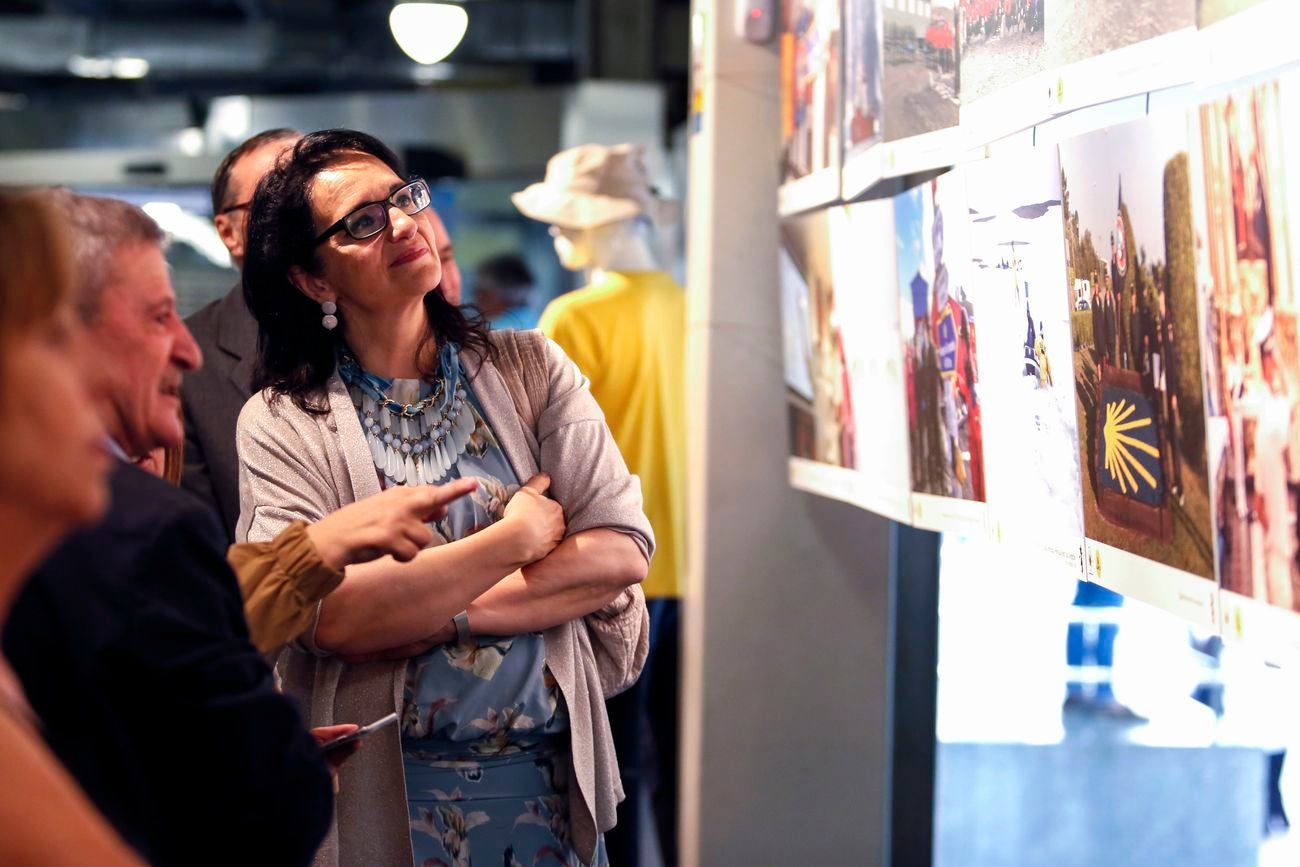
190,229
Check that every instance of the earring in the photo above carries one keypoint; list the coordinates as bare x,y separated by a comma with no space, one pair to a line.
329,321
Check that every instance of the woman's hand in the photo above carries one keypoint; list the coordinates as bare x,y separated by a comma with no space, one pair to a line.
535,522
336,758
394,522
385,605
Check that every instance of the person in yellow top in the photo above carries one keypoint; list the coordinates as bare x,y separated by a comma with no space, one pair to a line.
626,330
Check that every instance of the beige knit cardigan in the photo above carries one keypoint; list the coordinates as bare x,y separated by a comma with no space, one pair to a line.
299,466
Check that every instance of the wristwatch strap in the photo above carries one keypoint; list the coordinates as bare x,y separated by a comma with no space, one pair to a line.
462,626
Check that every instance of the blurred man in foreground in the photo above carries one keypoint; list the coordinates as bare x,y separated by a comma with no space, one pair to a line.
130,640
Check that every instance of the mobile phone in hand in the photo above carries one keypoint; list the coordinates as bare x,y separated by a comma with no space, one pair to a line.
360,733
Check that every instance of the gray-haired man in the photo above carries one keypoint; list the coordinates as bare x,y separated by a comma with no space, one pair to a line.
130,640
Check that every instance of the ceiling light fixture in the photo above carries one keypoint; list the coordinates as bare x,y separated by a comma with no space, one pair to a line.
428,32
108,67
90,67
130,67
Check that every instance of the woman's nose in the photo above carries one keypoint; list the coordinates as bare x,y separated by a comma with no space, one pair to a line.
400,222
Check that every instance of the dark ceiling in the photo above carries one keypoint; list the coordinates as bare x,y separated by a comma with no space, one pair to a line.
200,49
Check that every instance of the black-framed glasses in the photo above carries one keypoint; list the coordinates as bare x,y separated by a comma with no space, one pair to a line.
242,206
372,218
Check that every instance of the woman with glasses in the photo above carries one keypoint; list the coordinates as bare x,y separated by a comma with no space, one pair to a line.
499,644
45,423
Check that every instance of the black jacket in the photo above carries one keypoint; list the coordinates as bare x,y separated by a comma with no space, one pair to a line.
131,644
213,396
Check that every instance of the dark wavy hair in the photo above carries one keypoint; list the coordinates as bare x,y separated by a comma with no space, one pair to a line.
295,354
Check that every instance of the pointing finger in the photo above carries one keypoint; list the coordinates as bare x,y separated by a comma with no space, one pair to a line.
539,483
439,496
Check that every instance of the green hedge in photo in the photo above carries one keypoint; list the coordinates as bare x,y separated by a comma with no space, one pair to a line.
1180,262
1081,328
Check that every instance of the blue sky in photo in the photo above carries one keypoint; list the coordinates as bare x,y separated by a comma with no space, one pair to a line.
1134,153
909,213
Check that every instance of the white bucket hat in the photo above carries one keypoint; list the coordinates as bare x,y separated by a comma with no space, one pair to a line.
591,185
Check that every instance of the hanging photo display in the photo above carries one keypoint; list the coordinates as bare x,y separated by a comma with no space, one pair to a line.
1240,38
1023,296
810,103
1137,363
1210,12
1117,50
863,95
920,83
796,326
1005,61
1252,355
937,324
1003,46
867,305
821,418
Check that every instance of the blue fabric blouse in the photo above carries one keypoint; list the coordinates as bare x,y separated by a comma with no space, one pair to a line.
485,740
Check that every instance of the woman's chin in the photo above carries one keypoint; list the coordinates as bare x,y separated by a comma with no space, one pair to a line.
423,282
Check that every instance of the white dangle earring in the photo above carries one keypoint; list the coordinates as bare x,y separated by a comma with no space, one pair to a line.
329,321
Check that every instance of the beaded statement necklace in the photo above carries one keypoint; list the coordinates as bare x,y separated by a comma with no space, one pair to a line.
412,443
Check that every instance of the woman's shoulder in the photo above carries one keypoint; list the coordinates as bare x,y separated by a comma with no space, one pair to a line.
522,339
270,409
526,345
267,407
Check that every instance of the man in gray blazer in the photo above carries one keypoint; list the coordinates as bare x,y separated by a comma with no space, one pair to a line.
227,333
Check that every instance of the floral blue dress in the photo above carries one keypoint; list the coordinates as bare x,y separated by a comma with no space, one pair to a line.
485,732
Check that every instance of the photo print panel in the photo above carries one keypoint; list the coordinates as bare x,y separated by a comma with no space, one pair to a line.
937,327
1240,38
867,310
821,419
1211,12
1244,192
1004,62
1026,300
1101,50
810,104
864,98
1139,398
796,327
920,85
